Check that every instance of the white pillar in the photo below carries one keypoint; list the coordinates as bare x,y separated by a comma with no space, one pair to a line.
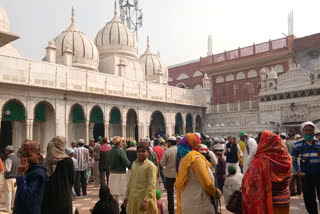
141,131
31,129
124,130
67,132
91,129
87,133
106,129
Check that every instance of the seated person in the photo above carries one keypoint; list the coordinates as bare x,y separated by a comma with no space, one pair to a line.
232,183
106,204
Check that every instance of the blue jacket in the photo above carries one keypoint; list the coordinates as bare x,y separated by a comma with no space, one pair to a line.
30,190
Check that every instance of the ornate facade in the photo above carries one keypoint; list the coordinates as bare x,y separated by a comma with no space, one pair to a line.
85,89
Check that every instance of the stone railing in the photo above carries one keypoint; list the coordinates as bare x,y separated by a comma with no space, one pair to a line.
48,75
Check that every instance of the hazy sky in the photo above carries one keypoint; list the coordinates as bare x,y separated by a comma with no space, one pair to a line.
178,28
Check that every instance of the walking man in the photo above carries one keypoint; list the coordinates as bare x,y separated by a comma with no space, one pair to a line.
231,153
10,174
82,156
103,163
250,151
168,162
308,149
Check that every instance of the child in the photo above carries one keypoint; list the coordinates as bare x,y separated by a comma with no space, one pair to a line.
106,204
31,181
159,203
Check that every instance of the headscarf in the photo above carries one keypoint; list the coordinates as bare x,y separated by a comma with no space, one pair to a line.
189,142
56,151
272,163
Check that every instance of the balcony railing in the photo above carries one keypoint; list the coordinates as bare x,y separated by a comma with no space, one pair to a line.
246,51
25,72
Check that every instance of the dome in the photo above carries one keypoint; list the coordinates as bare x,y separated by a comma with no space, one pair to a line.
153,65
116,37
294,77
85,53
4,21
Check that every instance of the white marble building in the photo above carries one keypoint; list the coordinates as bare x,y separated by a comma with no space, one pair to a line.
83,89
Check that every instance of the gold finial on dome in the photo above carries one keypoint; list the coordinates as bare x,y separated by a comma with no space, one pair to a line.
72,16
115,8
148,42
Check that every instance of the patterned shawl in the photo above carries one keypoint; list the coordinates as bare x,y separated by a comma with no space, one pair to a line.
272,163
56,151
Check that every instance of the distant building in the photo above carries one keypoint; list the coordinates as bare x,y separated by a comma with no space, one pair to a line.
246,83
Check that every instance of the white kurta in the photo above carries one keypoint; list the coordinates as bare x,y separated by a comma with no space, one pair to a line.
252,145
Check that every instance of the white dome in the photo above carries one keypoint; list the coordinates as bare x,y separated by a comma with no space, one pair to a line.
4,21
116,37
153,65
85,53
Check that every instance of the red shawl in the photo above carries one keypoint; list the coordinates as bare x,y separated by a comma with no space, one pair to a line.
272,163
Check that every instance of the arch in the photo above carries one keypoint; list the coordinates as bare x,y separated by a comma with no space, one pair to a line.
229,77
189,123
240,76
77,125
252,73
278,68
181,85
96,120
157,124
197,74
265,69
178,124
44,125
219,79
13,124
115,119
198,124
132,131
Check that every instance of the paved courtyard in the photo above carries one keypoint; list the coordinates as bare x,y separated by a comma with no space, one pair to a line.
85,204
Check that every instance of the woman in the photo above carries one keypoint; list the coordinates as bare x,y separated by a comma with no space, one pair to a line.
194,181
265,186
106,204
60,171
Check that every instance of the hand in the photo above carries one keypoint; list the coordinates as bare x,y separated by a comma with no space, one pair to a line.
125,202
144,206
219,193
228,150
23,168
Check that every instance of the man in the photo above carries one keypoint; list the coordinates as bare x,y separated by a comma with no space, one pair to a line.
118,163
31,181
179,138
131,152
103,163
96,156
251,149
168,162
159,152
11,165
73,145
283,136
295,184
141,193
82,156
231,152
152,155
308,149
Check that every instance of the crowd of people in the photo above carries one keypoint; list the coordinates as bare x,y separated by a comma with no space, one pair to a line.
267,169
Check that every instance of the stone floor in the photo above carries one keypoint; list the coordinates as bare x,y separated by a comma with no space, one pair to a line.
86,203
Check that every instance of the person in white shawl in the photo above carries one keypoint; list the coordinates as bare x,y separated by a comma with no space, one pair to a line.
232,182
251,149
